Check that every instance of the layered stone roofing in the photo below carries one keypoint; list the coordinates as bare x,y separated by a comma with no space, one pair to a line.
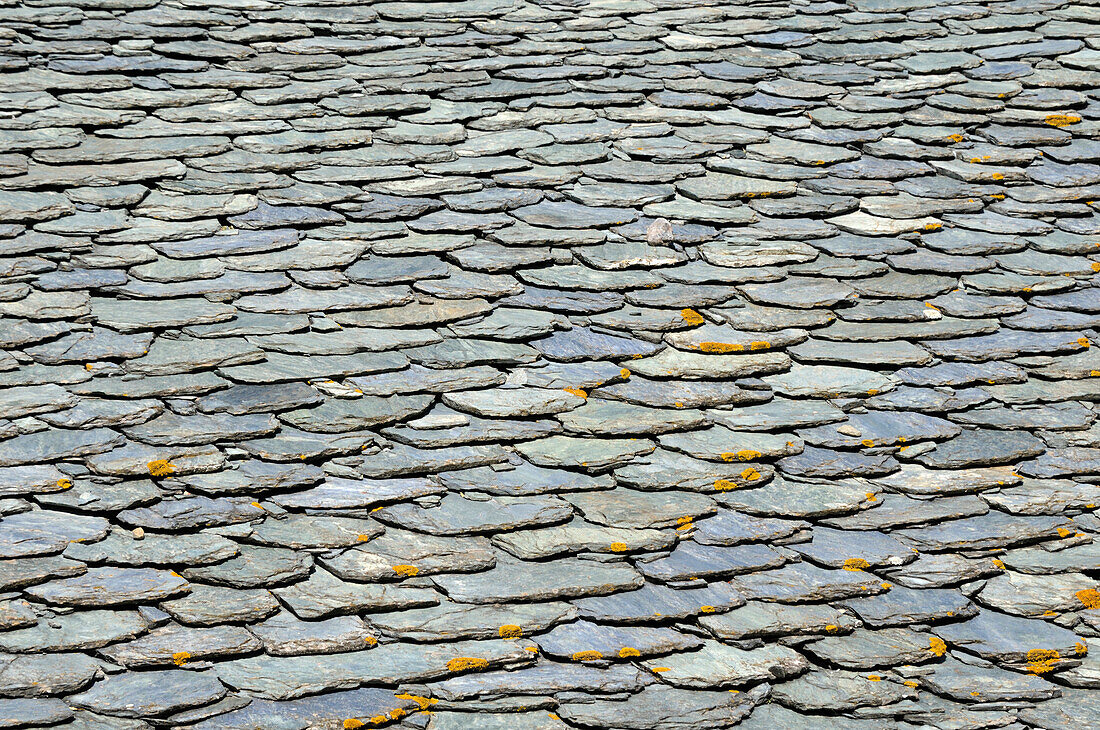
522,364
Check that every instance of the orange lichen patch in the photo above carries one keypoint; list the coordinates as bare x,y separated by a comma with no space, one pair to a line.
370,641
685,520
997,196
180,658
742,455
379,720
625,373
870,496
955,138
257,505
720,347
1041,661
659,669
885,586
1062,120
352,723
872,391
161,468
692,317
749,474
874,677
618,547
911,683
577,392
997,176
1089,596
936,646
406,570
1083,341
464,663
64,484
868,442
724,485
933,226
587,656
1065,532
423,702
1096,266
856,564
628,651
363,538
760,345
1081,648
706,609
832,628
509,631
997,563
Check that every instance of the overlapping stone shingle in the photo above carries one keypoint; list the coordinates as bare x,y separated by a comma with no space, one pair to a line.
619,364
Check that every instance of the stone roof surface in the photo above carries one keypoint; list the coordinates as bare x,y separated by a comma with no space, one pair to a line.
545,364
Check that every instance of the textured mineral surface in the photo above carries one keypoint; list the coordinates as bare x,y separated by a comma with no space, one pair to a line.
549,364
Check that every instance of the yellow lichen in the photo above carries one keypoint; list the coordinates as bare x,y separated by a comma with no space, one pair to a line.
937,646
692,317
577,392
760,345
352,723
720,347
724,485
464,663
749,474
618,547
1090,597
628,651
64,484
586,656
1041,661
423,702
161,468
856,564
1062,120
406,570
659,669
510,631
362,538
180,658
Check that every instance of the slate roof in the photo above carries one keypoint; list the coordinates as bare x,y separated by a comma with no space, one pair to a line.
541,364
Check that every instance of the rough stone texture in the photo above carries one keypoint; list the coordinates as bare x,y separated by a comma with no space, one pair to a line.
590,364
